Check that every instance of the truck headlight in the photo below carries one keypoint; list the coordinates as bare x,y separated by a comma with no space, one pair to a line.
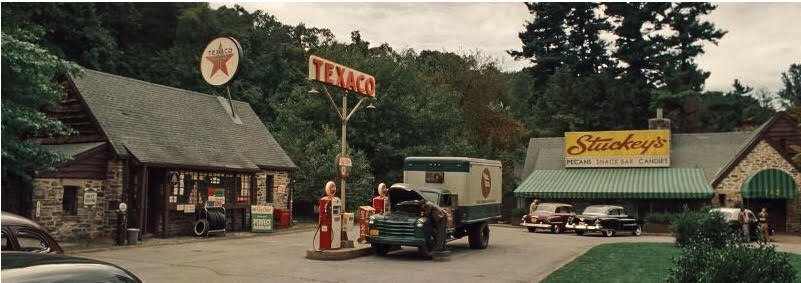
421,222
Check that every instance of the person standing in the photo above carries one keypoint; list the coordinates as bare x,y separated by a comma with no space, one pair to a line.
763,225
742,217
533,206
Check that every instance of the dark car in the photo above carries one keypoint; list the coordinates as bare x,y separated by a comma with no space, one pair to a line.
22,234
730,215
607,219
552,216
32,267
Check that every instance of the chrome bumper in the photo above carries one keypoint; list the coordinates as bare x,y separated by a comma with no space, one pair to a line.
583,227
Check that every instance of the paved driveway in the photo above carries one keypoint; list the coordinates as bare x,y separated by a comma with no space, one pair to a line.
514,255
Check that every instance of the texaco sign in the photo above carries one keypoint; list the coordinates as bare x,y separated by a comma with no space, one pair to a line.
220,60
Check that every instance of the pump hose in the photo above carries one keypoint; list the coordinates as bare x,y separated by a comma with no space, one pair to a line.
315,236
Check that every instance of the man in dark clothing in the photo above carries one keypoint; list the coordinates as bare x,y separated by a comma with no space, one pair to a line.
438,217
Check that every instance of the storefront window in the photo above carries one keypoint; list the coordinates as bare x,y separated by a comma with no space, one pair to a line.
192,187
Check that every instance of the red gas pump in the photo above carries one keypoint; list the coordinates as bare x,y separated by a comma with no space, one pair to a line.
330,219
381,202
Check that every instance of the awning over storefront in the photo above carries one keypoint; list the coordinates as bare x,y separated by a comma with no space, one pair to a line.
616,183
770,184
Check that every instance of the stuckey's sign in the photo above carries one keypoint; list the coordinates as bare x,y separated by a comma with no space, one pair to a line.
645,148
334,74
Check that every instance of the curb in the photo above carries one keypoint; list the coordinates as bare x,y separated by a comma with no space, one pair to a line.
188,240
341,254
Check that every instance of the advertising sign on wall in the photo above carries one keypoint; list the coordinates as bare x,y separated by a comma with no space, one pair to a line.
261,218
642,148
216,197
89,197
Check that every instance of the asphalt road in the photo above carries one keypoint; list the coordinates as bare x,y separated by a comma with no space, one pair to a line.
513,255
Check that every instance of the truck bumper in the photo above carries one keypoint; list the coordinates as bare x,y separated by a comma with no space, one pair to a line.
400,241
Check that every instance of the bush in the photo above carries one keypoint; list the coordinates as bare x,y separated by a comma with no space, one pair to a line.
519,212
691,227
734,262
663,218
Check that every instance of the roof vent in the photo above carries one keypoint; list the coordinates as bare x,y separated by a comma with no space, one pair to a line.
227,106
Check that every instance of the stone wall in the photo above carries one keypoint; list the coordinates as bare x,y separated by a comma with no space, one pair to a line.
280,188
763,156
90,221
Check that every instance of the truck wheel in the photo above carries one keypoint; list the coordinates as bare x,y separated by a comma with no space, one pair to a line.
479,236
532,229
580,232
380,249
201,228
609,233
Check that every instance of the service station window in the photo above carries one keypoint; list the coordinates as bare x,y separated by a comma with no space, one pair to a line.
69,200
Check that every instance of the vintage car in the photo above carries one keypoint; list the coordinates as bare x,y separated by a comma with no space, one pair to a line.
22,234
551,216
730,216
607,219
32,267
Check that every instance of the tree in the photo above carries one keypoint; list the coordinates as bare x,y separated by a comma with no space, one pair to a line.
791,80
28,85
724,112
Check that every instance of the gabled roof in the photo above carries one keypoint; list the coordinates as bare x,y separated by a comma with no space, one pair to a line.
706,151
170,127
72,150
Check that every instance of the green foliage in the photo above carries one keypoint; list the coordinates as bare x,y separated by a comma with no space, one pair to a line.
663,218
518,212
724,112
28,85
694,227
732,263
792,85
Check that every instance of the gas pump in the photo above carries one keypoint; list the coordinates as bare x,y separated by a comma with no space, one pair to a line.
330,225
380,202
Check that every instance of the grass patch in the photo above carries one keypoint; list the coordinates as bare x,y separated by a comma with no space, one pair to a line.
628,262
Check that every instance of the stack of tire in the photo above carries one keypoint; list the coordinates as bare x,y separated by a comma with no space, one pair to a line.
214,220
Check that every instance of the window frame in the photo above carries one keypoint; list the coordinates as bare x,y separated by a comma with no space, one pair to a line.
73,210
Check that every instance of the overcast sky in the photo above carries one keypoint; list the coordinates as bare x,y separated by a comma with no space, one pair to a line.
763,39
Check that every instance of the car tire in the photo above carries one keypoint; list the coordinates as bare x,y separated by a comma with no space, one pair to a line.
637,231
380,249
608,233
580,232
532,229
201,228
479,236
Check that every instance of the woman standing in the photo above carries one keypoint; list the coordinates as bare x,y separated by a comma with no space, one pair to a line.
763,224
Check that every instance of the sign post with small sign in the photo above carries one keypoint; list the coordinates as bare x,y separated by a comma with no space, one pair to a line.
261,218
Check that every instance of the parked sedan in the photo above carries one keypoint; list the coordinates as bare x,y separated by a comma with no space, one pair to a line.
730,215
607,219
22,234
33,267
552,216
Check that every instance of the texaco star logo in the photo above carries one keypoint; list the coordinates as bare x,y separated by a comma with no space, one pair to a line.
220,61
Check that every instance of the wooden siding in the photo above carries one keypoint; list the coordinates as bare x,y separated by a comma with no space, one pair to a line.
74,113
92,164
782,134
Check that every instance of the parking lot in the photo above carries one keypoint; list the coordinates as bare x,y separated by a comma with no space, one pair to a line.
514,255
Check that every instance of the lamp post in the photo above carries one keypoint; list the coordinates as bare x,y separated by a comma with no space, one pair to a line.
344,117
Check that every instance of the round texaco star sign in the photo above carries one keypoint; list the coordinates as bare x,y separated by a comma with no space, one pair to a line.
220,60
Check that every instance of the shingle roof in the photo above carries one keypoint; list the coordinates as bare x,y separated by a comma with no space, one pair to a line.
173,127
707,151
72,149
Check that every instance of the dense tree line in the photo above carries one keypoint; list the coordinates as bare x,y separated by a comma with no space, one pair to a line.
428,102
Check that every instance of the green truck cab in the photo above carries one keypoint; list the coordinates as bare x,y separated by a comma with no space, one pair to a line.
455,195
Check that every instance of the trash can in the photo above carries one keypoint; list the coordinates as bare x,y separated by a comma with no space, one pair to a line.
284,218
133,236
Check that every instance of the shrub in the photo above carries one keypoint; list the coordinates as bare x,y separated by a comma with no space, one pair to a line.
691,227
519,212
734,262
663,218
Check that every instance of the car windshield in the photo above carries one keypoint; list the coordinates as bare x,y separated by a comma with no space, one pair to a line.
545,207
595,210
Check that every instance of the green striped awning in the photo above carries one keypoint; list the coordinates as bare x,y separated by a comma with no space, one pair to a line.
616,183
770,184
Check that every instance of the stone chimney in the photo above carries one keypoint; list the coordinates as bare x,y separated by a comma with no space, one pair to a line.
659,123
746,125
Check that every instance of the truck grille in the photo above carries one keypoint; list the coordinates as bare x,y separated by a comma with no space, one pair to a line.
395,229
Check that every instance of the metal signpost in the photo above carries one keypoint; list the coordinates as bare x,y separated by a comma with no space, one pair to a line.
331,73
